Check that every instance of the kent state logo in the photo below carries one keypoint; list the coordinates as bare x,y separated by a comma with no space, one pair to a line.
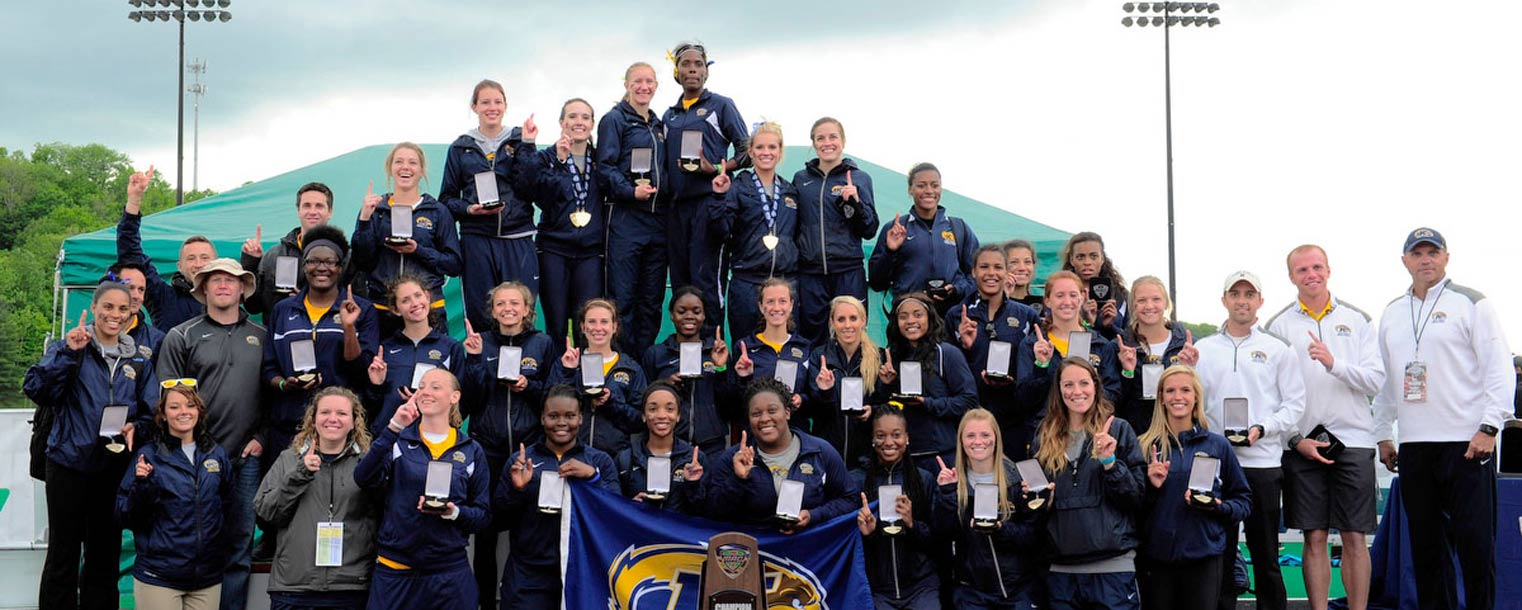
1259,357
661,576
621,377
1439,317
424,221
1343,330
528,363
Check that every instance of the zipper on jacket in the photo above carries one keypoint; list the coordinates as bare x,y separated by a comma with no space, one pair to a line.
655,168
824,258
893,548
999,573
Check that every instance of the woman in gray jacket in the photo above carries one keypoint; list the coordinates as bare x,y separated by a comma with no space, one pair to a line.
325,545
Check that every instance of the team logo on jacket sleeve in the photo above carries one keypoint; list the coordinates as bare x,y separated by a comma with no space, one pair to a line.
789,202
424,221
949,237
434,354
1343,330
252,340
1259,357
806,468
211,465
458,456
145,351
129,372
621,377
1439,317
797,353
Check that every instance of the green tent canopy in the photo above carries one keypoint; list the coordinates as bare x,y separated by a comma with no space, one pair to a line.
229,218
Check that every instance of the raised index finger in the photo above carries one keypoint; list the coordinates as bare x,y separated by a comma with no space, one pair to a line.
942,462
370,190
743,438
1188,337
82,314
468,329
848,178
1108,423
1314,339
259,233
863,494
694,455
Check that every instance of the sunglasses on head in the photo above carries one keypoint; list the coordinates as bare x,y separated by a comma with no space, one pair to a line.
170,383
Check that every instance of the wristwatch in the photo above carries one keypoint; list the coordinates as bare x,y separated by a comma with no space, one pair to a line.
1488,430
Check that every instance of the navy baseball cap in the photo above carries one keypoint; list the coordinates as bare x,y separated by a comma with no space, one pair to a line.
1424,235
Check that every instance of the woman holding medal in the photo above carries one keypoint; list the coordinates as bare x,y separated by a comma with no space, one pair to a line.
432,252
174,499
421,561
631,157
93,367
1094,459
996,564
938,261
707,402
849,352
662,410
310,495
333,333
985,317
564,182
614,406
1184,541
760,352
755,219
416,345
1084,254
701,127
503,411
494,236
947,389
1150,343
836,212
747,479
531,579
900,553
1034,373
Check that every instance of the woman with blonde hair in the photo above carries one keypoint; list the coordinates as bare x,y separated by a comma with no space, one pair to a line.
308,488
994,567
1094,460
1184,542
432,253
631,155
422,561
754,216
1150,342
848,352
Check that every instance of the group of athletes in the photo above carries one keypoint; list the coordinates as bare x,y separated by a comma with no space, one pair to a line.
1040,448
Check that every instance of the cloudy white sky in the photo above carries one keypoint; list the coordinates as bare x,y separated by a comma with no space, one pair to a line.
1337,122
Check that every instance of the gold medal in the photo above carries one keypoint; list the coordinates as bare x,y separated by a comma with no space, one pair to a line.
770,241
580,218
642,181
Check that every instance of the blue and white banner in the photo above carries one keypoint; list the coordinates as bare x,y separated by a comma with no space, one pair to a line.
624,555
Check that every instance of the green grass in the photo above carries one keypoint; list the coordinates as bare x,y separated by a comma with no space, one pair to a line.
1294,578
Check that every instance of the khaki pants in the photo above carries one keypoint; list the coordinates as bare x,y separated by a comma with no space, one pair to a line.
149,597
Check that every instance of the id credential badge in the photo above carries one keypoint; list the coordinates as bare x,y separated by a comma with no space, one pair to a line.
1416,381
330,544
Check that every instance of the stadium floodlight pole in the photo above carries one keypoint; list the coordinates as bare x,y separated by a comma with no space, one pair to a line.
1165,18
179,14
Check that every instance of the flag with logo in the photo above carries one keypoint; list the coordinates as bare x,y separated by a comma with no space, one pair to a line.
623,555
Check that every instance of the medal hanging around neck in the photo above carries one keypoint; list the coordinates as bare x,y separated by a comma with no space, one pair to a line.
580,217
769,209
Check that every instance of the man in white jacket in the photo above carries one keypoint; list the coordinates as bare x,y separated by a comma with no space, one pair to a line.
1328,464
1450,383
1243,361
